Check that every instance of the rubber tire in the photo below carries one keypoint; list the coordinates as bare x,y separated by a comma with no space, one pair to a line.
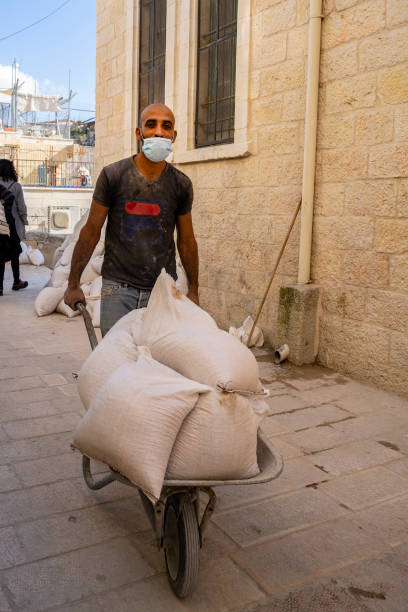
188,541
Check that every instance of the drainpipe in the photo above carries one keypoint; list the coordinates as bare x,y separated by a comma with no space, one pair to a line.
309,159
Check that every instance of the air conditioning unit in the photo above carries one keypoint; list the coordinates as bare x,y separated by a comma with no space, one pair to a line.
61,219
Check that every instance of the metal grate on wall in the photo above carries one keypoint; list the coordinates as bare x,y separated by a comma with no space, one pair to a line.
216,72
152,52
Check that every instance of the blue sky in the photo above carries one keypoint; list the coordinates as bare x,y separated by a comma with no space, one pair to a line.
47,51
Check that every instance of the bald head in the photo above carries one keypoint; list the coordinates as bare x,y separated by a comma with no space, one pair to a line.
156,110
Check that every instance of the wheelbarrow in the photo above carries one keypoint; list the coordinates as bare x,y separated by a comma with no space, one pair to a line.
178,518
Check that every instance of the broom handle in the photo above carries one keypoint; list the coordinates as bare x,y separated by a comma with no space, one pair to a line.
274,270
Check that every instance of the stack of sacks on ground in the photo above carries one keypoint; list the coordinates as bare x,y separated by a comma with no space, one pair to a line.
206,430
51,298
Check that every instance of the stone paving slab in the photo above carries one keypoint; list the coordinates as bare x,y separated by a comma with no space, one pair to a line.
331,533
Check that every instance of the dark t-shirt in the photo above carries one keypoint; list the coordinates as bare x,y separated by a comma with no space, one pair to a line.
142,216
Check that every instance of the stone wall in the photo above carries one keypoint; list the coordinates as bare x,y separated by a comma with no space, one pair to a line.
360,237
243,205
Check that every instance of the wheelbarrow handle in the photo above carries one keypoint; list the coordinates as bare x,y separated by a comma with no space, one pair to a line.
88,324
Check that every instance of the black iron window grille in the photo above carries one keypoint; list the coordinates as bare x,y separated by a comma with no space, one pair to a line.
216,70
152,52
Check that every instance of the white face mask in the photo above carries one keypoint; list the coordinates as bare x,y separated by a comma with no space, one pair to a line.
157,149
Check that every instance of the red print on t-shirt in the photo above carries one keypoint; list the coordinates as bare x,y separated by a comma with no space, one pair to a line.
142,208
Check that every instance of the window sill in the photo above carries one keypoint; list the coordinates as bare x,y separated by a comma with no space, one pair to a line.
226,151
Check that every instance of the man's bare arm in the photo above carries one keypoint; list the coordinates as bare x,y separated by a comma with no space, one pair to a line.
87,241
188,250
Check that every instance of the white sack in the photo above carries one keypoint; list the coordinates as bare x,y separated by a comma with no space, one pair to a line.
88,274
132,322
96,314
133,421
59,276
99,249
23,258
67,255
96,263
210,356
86,288
168,309
36,257
66,310
79,225
115,349
242,333
217,440
96,287
181,282
48,299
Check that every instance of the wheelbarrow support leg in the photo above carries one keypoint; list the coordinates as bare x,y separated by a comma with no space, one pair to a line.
91,483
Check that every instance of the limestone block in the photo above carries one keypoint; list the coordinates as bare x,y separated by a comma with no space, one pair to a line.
391,235
347,302
384,49
241,172
266,110
210,175
388,309
374,127
365,269
279,17
294,105
343,4
393,85
105,35
336,165
269,51
355,22
343,232
402,199
282,170
303,10
118,104
401,122
351,93
215,201
329,199
399,272
286,76
339,62
115,86
105,108
254,84
262,5
297,323
297,42
335,131
355,339
397,12
279,139
388,161
371,198
399,350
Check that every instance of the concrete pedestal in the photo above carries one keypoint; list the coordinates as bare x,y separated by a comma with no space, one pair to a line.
298,321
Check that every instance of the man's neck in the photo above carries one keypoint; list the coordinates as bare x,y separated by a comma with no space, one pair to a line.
150,170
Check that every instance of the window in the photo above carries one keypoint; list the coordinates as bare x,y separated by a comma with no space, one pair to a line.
152,52
215,102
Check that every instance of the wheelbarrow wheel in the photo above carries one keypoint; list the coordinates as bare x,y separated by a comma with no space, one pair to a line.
181,545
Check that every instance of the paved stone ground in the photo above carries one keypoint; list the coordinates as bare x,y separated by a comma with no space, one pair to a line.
330,534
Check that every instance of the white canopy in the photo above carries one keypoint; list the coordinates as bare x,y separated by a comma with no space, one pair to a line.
31,102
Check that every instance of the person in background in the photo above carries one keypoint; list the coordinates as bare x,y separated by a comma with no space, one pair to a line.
16,211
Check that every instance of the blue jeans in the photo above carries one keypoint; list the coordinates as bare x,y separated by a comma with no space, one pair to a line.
117,299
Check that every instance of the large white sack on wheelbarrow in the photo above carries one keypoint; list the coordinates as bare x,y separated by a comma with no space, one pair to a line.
185,338
133,422
169,308
116,349
131,322
217,440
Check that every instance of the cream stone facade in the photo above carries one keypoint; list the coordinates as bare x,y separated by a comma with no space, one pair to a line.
246,192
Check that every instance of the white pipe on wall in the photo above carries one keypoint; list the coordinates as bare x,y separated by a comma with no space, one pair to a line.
309,158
